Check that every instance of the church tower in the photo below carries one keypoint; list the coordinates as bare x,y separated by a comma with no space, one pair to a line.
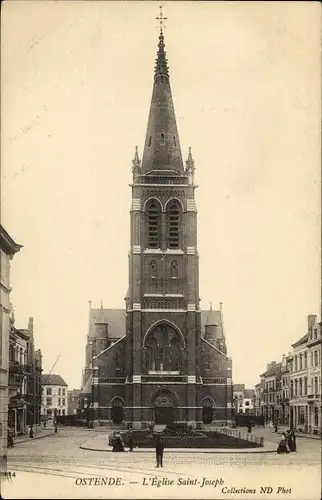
163,315
161,359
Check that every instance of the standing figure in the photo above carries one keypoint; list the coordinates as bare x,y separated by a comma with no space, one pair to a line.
291,440
10,439
249,427
56,426
118,444
276,426
159,447
130,439
31,431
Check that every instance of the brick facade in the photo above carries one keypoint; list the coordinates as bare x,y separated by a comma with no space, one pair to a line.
167,359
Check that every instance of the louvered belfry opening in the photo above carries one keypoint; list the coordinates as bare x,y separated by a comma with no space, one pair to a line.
153,225
173,213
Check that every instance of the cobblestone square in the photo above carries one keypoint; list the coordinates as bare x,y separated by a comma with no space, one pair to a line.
56,467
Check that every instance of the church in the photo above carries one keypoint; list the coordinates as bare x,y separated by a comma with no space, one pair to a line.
161,359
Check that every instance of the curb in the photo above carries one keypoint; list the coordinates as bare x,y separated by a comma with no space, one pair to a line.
302,435
188,450
32,439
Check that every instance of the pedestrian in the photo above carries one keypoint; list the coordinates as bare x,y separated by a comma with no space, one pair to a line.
159,447
10,439
31,431
130,440
291,439
249,427
283,445
56,426
276,426
45,424
118,444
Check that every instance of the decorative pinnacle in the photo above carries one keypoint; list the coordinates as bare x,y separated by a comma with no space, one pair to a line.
136,162
161,66
190,164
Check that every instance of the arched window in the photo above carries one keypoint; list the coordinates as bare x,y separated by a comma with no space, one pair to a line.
150,141
292,389
300,362
305,386
305,359
295,364
162,142
163,346
173,222
154,224
174,269
153,269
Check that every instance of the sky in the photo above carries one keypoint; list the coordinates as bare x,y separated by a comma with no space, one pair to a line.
76,88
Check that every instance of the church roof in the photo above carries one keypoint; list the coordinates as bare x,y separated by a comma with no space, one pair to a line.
162,150
116,322
115,319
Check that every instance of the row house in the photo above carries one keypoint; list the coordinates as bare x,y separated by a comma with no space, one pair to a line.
54,396
271,392
25,366
305,380
8,248
243,399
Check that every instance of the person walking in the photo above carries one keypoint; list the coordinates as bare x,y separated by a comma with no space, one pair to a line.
249,427
159,447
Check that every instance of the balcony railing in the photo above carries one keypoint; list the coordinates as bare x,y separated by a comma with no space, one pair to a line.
164,378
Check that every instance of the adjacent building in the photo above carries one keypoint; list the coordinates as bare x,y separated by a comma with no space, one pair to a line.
243,399
305,379
271,392
25,367
73,401
8,248
162,358
54,396
290,391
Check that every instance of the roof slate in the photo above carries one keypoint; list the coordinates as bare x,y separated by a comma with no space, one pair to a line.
302,340
52,380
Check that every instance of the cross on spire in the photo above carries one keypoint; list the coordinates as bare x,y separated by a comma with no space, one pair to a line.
161,18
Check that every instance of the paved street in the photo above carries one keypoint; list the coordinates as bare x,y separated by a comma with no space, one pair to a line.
53,466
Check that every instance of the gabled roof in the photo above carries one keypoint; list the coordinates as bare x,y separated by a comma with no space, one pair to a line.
52,380
302,340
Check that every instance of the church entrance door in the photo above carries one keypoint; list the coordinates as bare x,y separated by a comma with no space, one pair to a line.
163,415
165,408
117,411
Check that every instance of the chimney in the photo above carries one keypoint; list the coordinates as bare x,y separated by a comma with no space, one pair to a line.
31,324
311,321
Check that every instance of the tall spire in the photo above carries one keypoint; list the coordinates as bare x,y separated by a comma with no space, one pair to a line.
162,152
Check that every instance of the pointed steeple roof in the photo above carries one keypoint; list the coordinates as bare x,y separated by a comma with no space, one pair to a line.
162,150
